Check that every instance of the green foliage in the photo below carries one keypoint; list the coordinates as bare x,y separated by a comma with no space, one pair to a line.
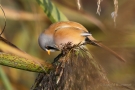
5,80
23,63
52,11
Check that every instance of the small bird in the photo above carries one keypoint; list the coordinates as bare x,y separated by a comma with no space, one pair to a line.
63,32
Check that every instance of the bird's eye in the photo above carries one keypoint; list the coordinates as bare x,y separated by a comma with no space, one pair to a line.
51,48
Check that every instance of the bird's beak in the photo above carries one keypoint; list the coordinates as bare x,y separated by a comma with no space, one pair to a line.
49,52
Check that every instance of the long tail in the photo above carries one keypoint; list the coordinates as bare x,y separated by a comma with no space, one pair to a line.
95,43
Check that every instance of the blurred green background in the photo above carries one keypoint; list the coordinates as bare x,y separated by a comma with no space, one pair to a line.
26,20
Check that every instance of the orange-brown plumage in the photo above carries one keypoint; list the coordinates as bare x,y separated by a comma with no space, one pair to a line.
64,35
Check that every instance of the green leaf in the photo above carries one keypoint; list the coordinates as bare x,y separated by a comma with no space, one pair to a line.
52,11
5,80
18,62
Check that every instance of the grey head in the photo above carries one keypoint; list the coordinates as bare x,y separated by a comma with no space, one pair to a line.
46,42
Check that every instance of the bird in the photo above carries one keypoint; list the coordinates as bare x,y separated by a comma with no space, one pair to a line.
63,32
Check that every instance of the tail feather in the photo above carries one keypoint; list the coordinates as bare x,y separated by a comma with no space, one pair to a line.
96,43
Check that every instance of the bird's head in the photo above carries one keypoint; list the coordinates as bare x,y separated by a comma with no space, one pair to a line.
46,43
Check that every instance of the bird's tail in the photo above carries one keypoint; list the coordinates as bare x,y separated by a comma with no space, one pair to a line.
96,43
